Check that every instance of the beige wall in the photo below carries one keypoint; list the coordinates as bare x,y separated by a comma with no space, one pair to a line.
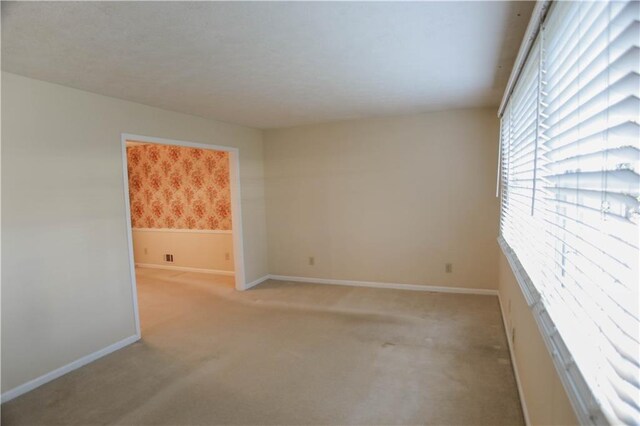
191,249
388,200
66,290
544,395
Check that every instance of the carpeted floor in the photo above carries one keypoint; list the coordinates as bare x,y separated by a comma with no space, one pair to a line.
290,353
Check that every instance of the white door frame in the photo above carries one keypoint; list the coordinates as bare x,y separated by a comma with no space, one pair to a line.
236,213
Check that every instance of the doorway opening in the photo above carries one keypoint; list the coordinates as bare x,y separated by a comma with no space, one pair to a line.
182,210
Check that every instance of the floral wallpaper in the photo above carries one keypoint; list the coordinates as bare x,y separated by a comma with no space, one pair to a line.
178,187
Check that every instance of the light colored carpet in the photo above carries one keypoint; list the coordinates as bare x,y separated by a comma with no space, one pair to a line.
290,353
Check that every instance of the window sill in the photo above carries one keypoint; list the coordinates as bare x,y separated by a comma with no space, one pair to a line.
584,403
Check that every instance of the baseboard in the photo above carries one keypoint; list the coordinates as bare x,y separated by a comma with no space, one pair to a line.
52,375
186,269
396,286
256,282
523,403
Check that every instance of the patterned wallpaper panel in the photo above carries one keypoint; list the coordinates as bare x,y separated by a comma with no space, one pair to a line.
179,188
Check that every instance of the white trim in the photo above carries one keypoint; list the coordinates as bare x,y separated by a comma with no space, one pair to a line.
523,402
396,286
529,291
499,171
236,211
256,282
164,141
52,375
190,231
127,215
236,218
186,269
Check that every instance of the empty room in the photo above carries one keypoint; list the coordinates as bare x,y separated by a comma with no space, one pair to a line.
306,213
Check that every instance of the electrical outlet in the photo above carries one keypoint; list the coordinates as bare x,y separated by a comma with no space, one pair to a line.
312,260
168,258
227,256
448,267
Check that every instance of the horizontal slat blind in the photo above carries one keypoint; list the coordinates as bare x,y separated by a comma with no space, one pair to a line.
571,191
521,122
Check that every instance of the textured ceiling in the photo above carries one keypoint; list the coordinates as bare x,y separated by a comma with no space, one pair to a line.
269,64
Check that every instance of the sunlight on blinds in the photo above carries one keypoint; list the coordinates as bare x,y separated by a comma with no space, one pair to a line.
570,138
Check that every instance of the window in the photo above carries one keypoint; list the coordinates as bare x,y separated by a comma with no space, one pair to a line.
570,197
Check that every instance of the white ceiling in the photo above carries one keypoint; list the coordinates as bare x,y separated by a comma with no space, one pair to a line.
268,64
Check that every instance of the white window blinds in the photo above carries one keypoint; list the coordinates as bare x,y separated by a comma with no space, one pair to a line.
570,166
